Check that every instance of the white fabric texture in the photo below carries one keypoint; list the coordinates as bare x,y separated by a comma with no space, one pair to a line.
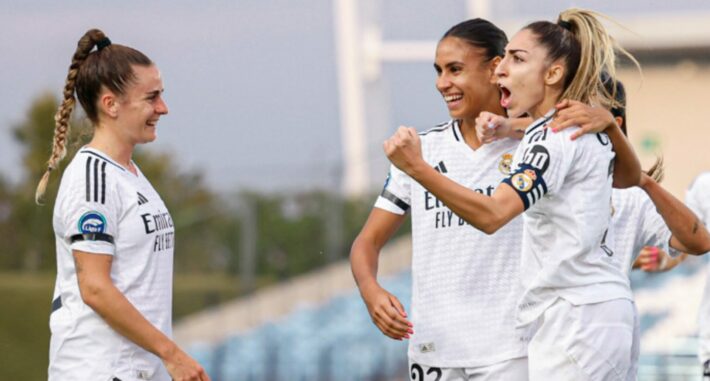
586,342
566,187
635,224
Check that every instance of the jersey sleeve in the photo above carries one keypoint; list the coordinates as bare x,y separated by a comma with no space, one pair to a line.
396,196
541,166
90,210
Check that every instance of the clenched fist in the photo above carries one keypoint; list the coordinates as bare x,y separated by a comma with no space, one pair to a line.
404,149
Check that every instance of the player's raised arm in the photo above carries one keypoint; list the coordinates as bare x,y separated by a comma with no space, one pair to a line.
487,214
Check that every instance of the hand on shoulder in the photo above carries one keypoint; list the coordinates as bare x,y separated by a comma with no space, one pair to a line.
590,119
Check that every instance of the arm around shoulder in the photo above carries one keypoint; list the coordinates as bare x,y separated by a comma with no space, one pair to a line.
487,214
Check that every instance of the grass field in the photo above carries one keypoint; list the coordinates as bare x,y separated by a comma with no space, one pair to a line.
25,301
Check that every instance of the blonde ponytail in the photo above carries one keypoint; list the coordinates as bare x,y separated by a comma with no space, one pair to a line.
597,58
589,53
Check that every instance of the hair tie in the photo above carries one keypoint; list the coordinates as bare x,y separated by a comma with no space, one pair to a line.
102,43
565,24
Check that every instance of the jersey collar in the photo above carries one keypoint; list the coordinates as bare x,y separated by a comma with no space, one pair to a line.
98,153
541,121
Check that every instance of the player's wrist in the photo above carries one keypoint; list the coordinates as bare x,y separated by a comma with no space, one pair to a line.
418,169
368,286
166,349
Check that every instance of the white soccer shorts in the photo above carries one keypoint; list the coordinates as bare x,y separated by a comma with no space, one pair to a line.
592,342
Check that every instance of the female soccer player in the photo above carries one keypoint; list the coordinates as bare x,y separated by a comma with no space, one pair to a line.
464,281
637,227
576,296
112,310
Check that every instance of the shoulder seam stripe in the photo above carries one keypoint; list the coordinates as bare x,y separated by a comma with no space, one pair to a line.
88,179
103,183
96,181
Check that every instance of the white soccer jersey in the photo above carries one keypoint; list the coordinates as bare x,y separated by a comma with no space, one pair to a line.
565,187
103,208
635,223
698,201
464,283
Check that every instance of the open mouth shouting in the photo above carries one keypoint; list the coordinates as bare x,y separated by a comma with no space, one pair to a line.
504,96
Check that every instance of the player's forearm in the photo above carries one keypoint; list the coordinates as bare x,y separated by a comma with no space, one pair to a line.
364,258
365,251
475,208
124,318
687,230
627,168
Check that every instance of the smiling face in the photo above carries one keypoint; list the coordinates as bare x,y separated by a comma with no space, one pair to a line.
465,78
138,110
528,82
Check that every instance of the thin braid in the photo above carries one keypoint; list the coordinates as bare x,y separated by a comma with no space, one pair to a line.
63,115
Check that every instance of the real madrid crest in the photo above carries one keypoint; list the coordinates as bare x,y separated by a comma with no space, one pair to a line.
506,162
522,181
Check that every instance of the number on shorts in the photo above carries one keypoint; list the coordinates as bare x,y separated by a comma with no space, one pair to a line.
435,370
417,373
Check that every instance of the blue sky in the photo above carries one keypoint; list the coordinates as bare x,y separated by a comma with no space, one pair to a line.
251,84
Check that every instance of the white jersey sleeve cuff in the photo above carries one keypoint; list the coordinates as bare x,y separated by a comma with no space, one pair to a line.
97,247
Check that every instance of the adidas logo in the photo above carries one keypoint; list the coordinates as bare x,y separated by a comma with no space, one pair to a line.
441,167
427,347
141,199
